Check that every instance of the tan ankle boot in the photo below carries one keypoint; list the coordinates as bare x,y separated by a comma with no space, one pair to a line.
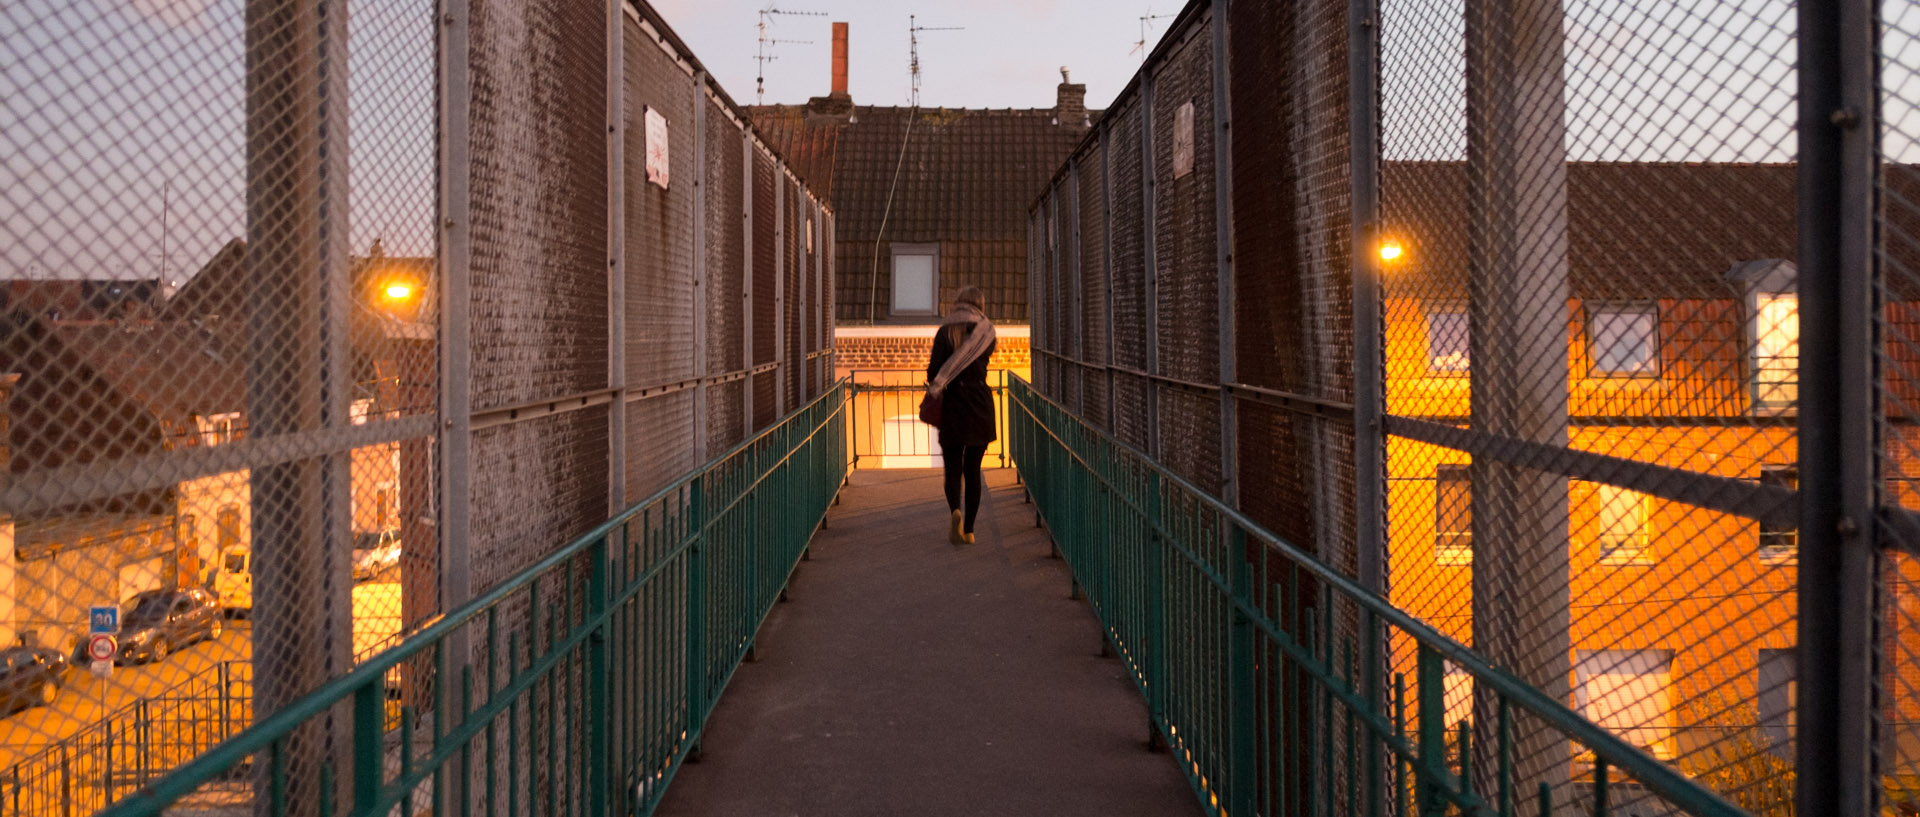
953,532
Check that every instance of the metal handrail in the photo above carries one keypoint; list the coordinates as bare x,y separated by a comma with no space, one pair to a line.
1070,468
802,458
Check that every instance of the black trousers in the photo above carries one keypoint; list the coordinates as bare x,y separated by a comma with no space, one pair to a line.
962,465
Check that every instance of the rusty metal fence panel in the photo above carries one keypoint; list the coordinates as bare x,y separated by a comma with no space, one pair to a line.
1584,332
333,327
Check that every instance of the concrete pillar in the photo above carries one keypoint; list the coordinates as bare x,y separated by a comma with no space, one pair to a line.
297,373
1517,286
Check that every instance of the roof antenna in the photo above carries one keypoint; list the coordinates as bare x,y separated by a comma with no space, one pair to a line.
913,51
760,54
1146,22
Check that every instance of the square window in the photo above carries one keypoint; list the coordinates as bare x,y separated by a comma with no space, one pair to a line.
1452,516
1776,350
913,283
1779,544
1624,340
1630,692
1447,342
1620,525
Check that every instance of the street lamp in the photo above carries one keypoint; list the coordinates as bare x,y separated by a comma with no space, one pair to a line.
399,291
1390,249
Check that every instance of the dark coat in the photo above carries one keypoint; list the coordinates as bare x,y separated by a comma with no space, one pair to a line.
966,411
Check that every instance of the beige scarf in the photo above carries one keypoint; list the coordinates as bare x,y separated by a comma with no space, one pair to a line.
975,345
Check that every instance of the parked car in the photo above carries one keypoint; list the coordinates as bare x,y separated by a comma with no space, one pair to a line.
158,622
383,555
30,676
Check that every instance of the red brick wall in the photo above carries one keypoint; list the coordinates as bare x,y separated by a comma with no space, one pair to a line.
912,353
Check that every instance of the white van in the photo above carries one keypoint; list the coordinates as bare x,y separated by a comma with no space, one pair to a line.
233,581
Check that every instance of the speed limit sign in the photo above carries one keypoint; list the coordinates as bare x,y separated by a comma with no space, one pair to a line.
100,647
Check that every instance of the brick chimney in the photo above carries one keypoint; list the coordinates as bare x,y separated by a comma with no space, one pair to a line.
1070,106
838,105
840,59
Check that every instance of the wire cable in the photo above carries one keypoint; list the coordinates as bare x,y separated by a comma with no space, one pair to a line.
873,281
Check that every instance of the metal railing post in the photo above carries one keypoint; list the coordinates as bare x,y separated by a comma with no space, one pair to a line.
1430,769
1155,669
1243,708
696,603
599,757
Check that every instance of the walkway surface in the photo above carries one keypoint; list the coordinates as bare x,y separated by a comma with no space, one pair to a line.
909,676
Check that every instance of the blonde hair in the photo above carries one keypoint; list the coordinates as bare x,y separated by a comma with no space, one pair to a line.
971,295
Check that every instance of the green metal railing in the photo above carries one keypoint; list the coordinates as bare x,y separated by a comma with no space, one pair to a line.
588,677
1282,686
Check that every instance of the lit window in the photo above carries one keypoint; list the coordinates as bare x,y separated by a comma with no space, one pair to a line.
914,283
219,429
1452,516
359,410
1776,688
1630,693
1779,544
1624,340
1459,694
1620,525
1776,350
1447,348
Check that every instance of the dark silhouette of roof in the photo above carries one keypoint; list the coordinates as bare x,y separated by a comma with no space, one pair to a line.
1635,230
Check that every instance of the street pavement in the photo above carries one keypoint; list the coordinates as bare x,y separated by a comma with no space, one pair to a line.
87,699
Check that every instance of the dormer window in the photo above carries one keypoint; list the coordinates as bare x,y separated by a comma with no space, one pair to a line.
1772,306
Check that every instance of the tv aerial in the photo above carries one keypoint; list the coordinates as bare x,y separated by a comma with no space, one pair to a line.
1146,24
913,50
763,54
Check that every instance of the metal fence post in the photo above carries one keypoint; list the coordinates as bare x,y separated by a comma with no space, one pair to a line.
616,259
1223,256
1836,761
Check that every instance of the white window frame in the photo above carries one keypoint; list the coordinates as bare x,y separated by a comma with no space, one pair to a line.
1778,395
1449,366
932,253
1620,544
1763,283
1630,693
1609,315
1787,553
1452,548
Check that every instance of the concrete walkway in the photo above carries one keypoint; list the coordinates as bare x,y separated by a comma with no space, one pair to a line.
908,676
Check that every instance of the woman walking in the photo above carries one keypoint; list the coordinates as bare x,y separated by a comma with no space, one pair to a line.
957,377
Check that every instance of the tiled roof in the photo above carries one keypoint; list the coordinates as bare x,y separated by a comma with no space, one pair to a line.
965,179
173,370
1635,230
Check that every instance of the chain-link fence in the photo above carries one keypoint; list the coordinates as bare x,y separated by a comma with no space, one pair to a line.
337,313
1581,331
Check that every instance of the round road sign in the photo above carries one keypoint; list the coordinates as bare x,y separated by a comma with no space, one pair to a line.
101,647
